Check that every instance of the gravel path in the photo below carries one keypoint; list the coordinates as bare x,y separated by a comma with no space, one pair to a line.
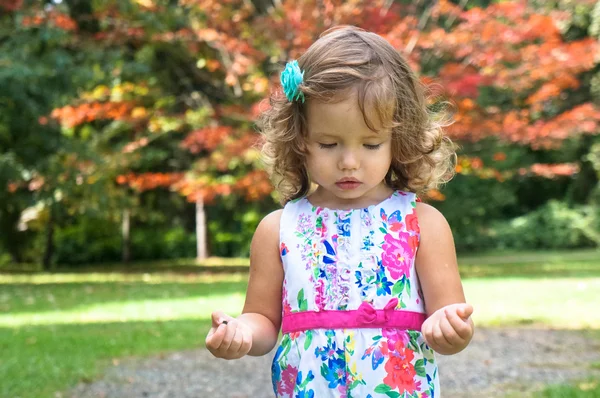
497,362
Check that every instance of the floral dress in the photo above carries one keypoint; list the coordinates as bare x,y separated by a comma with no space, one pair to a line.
340,261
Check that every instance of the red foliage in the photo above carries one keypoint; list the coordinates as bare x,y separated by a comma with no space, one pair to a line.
147,181
255,185
553,170
53,18
11,5
71,116
207,138
485,44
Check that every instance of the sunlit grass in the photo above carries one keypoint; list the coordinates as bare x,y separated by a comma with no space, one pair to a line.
566,303
582,389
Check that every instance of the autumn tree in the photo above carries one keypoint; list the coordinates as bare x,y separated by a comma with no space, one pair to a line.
162,98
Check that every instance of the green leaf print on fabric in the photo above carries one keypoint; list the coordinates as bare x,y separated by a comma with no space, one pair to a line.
302,302
420,368
399,287
309,337
286,343
413,340
383,388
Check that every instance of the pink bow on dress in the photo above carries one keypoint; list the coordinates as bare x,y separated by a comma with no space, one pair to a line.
367,314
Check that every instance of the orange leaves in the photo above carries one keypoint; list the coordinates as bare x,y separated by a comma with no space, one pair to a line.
434,194
500,156
584,119
53,18
473,123
508,33
552,170
462,81
146,181
207,138
543,26
552,89
255,185
71,116
11,5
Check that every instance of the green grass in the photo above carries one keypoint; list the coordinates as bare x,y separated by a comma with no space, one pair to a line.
582,389
56,330
59,329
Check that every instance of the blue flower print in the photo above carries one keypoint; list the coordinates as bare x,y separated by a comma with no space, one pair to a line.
382,283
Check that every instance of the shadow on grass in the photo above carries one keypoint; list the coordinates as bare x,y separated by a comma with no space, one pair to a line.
37,361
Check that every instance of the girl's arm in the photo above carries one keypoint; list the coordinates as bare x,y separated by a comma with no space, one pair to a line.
262,310
255,331
448,328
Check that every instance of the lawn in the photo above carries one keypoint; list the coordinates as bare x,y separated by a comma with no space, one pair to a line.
58,329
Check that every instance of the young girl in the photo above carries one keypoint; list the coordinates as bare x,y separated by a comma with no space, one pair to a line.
361,277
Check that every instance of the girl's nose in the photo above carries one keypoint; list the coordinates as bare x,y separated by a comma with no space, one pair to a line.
349,160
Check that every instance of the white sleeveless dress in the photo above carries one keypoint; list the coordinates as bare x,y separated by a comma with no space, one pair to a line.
338,260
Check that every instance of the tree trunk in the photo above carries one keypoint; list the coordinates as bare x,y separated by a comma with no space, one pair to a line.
200,229
126,234
49,249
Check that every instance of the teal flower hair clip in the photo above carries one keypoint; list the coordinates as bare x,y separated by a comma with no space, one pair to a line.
291,77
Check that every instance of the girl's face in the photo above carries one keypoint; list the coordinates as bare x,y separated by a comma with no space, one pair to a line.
346,159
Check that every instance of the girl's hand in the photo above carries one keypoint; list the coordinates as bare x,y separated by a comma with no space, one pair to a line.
449,329
228,338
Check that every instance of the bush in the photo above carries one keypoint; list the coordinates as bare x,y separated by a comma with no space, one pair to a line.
90,240
94,240
552,226
157,243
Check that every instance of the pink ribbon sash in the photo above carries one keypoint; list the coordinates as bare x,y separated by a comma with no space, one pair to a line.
364,317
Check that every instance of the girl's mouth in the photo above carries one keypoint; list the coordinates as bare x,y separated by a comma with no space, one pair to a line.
348,183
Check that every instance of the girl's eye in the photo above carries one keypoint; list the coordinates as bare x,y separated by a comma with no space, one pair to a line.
327,146
372,147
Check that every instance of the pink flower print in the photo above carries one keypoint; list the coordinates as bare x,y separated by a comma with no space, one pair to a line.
413,242
283,249
397,226
400,371
320,296
287,308
287,383
394,336
397,255
412,223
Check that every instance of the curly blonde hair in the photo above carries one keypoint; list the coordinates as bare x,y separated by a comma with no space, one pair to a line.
348,59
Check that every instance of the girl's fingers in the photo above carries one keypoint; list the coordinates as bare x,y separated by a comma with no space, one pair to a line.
216,318
438,335
448,330
236,342
465,311
427,333
460,326
230,328
214,340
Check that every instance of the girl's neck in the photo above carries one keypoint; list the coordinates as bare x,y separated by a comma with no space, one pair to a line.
325,199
